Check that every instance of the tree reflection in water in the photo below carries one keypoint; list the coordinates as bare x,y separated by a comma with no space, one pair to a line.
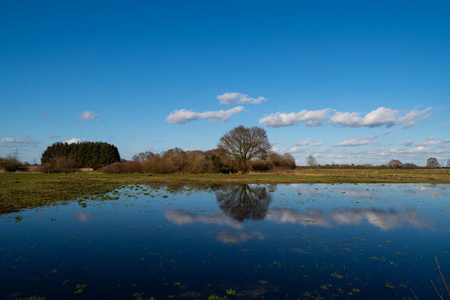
243,202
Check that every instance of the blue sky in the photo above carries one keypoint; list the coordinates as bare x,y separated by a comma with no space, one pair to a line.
347,81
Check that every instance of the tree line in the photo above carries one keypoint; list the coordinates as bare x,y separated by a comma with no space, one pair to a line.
79,155
240,150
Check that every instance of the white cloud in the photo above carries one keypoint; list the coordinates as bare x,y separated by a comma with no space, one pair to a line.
309,143
87,115
380,117
359,141
230,98
287,150
279,119
353,142
75,141
322,150
431,141
183,116
17,141
295,150
416,150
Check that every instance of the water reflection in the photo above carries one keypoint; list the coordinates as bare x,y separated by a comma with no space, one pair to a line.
313,217
182,217
239,236
382,219
242,202
83,217
194,243
251,202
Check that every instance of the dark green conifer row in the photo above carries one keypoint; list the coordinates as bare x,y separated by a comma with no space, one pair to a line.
86,154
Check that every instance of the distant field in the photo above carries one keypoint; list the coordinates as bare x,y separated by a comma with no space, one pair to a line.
28,190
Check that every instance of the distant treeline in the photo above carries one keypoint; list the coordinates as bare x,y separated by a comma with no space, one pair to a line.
79,155
195,162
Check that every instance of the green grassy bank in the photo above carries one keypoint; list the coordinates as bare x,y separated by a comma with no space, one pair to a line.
28,190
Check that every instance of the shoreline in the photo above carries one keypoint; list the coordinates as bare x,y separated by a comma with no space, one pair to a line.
29,190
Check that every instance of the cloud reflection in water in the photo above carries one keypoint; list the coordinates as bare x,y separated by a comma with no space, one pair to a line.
83,217
182,217
382,219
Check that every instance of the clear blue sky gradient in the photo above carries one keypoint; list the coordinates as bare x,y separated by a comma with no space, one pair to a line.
134,63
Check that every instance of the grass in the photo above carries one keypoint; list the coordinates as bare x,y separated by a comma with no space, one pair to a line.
29,190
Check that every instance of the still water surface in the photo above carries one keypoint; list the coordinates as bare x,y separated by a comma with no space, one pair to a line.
365,241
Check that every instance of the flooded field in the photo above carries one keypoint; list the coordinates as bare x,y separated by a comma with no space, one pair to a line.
298,241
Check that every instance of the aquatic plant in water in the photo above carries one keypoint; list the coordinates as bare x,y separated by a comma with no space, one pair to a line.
80,289
442,276
215,297
231,292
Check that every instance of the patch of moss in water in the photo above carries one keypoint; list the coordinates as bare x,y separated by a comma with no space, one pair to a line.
215,297
231,292
335,275
389,286
80,289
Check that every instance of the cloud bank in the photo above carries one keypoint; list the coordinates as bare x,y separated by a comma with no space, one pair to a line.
353,142
17,141
357,141
309,143
379,117
230,98
280,119
183,116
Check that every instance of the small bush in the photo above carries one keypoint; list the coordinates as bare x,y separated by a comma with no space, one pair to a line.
11,164
285,161
261,165
128,167
59,165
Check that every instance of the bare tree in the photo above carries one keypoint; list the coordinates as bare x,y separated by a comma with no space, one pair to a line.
311,161
143,156
243,202
433,163
244,143
448,163
395,164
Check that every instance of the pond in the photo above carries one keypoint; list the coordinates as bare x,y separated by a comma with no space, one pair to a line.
297,241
